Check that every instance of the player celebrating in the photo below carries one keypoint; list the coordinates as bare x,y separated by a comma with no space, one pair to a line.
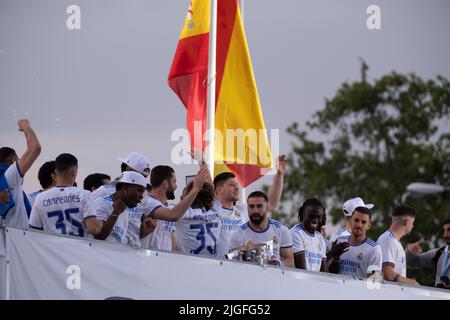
260,229
65,209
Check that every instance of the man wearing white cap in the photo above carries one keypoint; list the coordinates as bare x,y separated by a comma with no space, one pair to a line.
348,208
118,214
135,161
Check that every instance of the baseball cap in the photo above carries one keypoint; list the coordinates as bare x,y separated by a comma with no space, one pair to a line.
138,162
350,205
131,177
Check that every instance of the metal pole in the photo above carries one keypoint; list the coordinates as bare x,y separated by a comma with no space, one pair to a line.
211,91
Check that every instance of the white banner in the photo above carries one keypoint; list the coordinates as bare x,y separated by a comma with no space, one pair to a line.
43,266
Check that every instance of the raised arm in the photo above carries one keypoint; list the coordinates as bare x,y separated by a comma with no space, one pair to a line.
276,189
33,147
175,213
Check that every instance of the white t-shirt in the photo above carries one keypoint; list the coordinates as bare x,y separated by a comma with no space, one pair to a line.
313,245
17,215
393,252
198,231
342,232
126,230
62,210
161,237
232,219
275,231
357,260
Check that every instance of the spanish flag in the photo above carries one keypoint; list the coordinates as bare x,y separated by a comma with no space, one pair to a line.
241,143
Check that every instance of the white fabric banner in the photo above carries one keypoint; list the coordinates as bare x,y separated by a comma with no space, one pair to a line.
43,266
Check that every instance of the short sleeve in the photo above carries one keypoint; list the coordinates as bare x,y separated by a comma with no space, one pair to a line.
150,206
298,241
388,252
102,209
35,220
88,205
13,176
286,239
376,258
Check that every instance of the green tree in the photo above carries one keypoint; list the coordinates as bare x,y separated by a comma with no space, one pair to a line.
377,137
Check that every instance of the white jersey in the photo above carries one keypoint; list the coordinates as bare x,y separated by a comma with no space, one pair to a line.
312,245
104,190
198,230
232,219
161,237
126,230
357,260
62,210
393,252
32,196
341,233
17,215
275,231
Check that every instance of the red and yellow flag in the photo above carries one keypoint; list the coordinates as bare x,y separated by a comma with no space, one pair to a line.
242,147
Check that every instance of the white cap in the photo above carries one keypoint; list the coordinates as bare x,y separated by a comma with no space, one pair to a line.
131,177
351,204
137,162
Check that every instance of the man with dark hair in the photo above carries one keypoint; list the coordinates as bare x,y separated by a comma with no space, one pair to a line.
12,170
47,179
65,209
363,255
95,180
260,229
438,258
234,214
164,183
394,258
308,244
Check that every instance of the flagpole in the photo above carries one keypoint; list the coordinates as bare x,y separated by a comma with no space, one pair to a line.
241,7
211,90
242,193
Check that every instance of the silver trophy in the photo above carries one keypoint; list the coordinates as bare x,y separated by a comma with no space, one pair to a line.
259,253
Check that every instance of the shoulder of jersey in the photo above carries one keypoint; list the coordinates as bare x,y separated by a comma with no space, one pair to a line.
343,239
244,226
34,194
371,243
297,227
108,198
275,223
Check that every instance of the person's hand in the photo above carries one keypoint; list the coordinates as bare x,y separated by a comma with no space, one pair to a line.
201,177
119,206
415,247
415,283
23,124
4,196
149,225
282,162
337,249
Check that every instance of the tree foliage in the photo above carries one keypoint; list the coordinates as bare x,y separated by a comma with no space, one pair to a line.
375,138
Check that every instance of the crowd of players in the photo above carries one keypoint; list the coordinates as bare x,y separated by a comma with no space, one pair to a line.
134,209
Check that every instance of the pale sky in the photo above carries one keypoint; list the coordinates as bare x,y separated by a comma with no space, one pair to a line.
101,92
